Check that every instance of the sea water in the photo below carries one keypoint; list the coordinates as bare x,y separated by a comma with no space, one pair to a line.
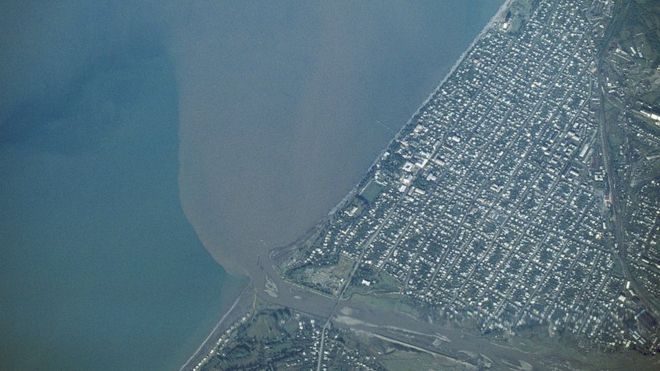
259,116
99,268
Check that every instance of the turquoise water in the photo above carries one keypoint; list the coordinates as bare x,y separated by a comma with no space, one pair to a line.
100,269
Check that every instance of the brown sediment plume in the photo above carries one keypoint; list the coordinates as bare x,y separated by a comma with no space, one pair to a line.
282,110
263,157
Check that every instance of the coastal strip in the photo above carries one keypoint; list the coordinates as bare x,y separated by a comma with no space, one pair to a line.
204,350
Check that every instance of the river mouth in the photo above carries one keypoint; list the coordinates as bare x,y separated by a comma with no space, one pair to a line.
255,119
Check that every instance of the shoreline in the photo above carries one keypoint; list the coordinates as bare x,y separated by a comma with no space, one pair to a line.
216,332
269,252
491,23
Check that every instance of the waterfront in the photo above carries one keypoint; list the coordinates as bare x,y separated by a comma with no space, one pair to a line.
271,289
283,108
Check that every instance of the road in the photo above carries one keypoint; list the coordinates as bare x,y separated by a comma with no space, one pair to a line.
378,321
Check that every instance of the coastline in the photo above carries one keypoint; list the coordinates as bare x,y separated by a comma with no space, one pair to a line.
229,317
491,23
206,348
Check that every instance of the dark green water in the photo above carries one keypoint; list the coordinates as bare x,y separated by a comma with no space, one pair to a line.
100,269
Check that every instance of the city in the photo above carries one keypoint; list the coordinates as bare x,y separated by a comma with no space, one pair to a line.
517,206
492,204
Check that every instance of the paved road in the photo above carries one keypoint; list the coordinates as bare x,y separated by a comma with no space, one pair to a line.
349,314
383,321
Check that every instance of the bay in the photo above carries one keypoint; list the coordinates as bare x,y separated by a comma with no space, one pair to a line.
135,135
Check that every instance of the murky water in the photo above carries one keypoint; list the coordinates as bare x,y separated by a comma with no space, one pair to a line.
258,116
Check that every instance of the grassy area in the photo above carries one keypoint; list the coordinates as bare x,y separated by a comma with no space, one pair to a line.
518,14
562,350
392,302
328,279
371,191
415,361
380,282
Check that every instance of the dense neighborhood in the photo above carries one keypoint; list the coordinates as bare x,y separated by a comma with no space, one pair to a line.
493,203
